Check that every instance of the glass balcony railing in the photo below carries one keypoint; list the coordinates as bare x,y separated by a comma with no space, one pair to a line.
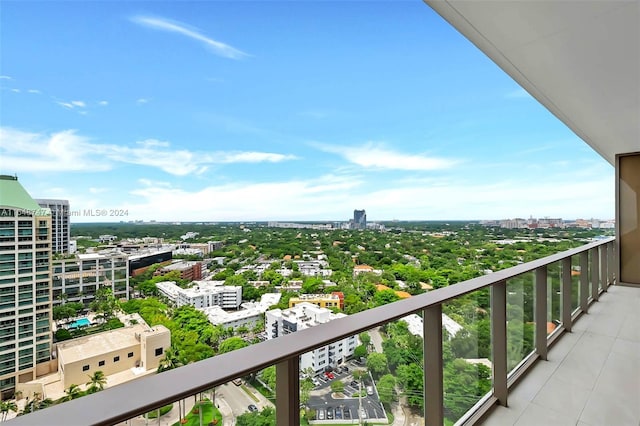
450,354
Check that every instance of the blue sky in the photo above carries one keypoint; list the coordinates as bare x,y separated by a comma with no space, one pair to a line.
278,111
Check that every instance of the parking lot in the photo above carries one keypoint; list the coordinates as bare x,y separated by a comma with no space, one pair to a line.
351,407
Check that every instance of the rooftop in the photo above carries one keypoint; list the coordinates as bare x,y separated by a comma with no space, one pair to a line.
12,194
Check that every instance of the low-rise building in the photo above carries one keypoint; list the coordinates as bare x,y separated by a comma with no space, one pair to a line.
333,300
190,271
251,314
202,294
114,351
305,315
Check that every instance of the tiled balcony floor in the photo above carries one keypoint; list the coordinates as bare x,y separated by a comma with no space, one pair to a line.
592,377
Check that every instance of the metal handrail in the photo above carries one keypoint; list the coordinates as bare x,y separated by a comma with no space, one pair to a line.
123,402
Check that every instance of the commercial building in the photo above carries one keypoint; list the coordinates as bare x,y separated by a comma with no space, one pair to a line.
333,300
359,219
60,223
25,286
202,294
304,315
190,271
78,278
114,351
140,261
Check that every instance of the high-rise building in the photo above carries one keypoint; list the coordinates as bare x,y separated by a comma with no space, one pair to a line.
60,226
25,286
359,219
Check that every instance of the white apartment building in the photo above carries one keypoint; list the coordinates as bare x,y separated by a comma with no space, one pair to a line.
79,277
280,322
202,294
250,315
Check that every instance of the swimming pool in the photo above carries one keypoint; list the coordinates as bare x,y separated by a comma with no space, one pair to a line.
82,322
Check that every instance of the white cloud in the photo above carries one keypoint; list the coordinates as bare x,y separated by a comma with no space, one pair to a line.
141,101
94,190
79,104
15,90
376,156
219,48
333,197
103,103
68,151
34,91
5,77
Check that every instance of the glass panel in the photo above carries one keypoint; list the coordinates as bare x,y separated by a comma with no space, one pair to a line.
520,318
466,339
575,282
554,296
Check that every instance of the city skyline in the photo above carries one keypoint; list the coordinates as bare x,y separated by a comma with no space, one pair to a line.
237,112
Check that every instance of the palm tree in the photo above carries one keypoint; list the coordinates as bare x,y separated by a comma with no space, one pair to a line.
35,404
6,406
170,361
97,382
72,392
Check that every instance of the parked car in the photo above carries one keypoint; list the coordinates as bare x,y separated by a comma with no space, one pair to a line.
329,413
354,384
363,413
369,390
338,413
345,368
320,414
252,408
329,375
347,414
237,382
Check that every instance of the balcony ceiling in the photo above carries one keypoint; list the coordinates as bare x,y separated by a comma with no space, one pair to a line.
580,59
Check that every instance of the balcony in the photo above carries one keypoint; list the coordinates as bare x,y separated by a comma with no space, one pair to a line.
557,294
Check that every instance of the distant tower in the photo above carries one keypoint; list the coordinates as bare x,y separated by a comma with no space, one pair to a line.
359,219
60,227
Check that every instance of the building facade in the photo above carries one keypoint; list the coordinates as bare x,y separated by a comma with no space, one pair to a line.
25,286
202,294
359,219
280,322
333,300
60,223
77,279
114,351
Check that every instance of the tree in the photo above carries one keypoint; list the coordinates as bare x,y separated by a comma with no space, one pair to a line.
410,376
97,382
105,302
231,344
266,417
386,389
337,386
377,363
6,406
306,386
268,376
72,392
360,351
385,296
365,338
170,361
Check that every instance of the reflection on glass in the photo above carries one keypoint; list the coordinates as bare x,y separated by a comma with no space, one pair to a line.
520,318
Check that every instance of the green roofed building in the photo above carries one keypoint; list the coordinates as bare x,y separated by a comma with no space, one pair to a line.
25,287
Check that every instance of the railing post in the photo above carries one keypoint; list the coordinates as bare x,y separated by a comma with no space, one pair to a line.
433,366
541,312
603,267
566,293
288,392
499,340
611,261
584,281
595,272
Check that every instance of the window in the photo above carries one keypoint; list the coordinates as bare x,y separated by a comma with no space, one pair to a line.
116,358
130,355
159,351
85,367
100,363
